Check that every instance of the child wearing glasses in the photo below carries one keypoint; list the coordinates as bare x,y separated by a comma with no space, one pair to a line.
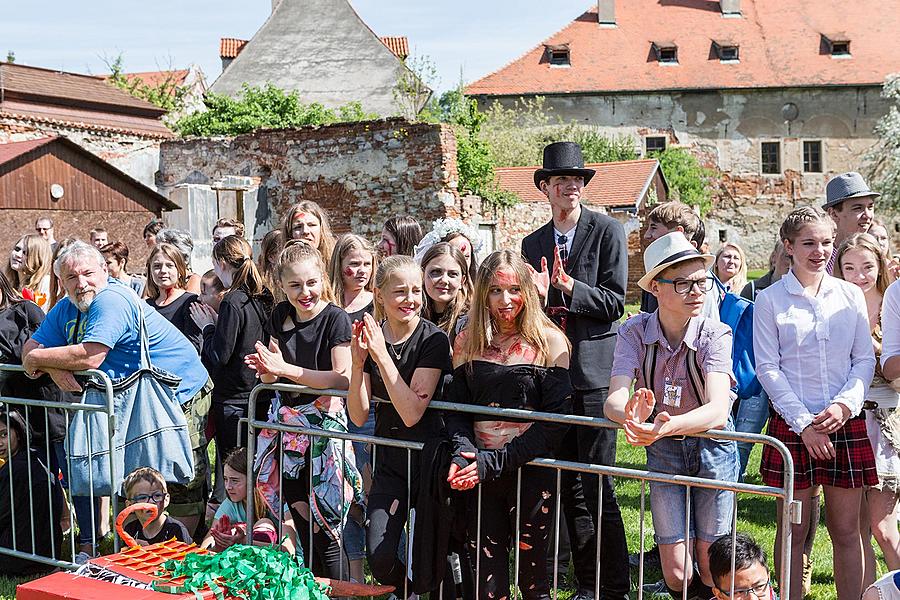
751,575
148,485
680,364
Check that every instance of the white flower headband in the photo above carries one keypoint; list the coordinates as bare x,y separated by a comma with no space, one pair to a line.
441,229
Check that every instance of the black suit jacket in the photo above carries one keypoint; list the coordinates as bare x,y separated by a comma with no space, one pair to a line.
599,264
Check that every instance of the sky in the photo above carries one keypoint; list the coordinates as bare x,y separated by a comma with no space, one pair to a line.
472,37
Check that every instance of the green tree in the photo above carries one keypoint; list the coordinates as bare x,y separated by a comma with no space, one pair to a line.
688,180
10,56
415,78
263,108
167,94
883,164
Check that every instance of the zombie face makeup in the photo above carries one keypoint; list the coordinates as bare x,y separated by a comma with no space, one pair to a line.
388,244
356,269
505,298
462,244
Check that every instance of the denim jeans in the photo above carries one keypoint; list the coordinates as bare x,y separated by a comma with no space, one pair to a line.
751,417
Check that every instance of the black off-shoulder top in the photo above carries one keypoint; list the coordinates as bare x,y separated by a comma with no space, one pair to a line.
527,387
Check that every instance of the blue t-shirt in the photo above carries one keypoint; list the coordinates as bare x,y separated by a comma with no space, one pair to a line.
113,320
236,511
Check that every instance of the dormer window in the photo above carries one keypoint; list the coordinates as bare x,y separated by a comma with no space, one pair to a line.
666,52
727,51
836,44
559,55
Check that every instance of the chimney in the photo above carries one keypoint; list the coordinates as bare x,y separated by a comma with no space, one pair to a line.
731,8
606,13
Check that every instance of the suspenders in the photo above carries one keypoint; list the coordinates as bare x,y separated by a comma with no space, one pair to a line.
695,373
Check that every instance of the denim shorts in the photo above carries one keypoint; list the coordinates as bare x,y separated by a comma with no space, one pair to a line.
711,510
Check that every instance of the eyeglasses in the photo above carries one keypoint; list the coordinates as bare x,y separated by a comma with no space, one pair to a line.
684,286
155,497
760,591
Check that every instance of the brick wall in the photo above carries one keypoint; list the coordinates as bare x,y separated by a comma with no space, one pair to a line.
361,173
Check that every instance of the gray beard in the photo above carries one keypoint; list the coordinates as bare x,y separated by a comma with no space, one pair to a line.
82,305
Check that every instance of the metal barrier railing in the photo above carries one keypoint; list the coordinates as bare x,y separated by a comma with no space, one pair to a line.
49,454
789,515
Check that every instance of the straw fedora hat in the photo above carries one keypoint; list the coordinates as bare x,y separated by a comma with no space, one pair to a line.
670,249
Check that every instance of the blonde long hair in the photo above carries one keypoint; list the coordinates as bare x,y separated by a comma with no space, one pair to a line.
297,251
864,241
235,252
37,264
346,244
386,269
736,283
531,322
326,238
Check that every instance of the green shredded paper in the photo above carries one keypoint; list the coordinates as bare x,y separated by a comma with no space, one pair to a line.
244,572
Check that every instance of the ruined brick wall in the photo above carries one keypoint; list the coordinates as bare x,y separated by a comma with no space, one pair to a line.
361,173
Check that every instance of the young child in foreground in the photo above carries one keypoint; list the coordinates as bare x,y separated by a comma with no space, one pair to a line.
148,485
751,575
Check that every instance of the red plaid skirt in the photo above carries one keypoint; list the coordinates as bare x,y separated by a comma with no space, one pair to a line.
852,467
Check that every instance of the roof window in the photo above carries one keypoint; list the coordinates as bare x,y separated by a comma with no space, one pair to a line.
726,51
836,44
559,55
666,52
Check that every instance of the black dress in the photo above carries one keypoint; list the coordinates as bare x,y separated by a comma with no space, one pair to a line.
178,313
499,456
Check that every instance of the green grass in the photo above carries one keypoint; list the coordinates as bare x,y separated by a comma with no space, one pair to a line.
755,273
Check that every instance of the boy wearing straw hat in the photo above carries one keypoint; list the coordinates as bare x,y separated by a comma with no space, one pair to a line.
680,364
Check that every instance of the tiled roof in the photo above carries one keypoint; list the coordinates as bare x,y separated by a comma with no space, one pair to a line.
16,149
74,101
780,45
231,47
37,84
398,45
616,184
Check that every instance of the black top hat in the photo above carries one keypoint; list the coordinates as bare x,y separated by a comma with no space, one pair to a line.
562,158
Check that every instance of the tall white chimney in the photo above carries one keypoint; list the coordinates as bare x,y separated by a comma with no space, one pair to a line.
606,12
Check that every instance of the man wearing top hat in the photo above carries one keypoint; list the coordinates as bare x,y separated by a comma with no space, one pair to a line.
851,204
579,262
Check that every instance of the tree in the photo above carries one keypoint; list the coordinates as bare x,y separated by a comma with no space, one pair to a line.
415,77
688,180
268,107
10,56
167,94
884,159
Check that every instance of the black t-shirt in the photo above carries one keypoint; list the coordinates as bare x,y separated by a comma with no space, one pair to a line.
308,344
240,325
427,348
357,315
178,313
172,528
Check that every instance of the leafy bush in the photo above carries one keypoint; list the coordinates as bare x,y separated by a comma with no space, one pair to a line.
688,180
268,107
884,158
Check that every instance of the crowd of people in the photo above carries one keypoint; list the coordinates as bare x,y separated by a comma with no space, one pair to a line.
424,315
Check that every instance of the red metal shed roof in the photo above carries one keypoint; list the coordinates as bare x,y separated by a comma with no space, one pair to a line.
780,45
616,184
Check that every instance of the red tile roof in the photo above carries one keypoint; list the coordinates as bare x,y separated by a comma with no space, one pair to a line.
231,47
616,184
398,45
16,149
780,45
72,100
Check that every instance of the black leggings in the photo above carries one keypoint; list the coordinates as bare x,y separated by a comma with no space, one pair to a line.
498,532
326,556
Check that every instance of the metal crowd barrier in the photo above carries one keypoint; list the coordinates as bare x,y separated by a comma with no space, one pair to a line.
68,409
789,515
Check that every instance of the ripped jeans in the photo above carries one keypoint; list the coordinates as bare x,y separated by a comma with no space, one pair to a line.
498,533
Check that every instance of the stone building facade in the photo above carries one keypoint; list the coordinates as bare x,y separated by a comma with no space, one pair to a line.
776,96
361,173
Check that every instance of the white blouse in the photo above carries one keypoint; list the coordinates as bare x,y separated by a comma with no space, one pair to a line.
812,351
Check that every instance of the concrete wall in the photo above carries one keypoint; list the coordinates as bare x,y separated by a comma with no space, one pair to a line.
361,173
725,129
